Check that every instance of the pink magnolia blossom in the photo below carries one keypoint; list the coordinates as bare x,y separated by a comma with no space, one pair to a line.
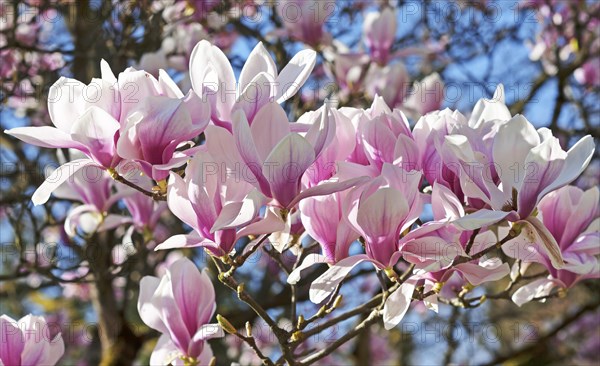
304,19
530,164
383,136
85,119
341,146
154,132
379,29
571,215
28,341
278,160
106,122
427,96
431,131
213,204
93,187
180,305
433,248
379,210
259,82
323,218
389,81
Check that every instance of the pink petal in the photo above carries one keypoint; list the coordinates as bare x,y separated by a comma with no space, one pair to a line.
46,136
190,240
309,261
96,130
212,76
323,286
534,228
538,288
147,309
165,352
285,166
269,127
512,144
258,61
490,109
58,177
327,187
578,158
248,151
257,94
295,74
179,203
445,204
477,274
480,219
397,304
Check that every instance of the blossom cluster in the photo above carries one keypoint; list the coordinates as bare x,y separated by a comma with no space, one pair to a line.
362,183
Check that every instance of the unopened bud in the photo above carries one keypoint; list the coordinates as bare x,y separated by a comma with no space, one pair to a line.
297,336
226,325
322,311
301,322
248,329
240,289
337,301
390,273
562,293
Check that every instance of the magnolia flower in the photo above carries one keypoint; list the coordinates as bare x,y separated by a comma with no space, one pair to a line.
530,164
340,148
180,305
155,130
431,130
571,215
278,160
386,137
379,211
427,96
379,29
259,82
85,119
27,342
433,248
214,204
389,81
304,20
91,186
323,218
346,68
103,120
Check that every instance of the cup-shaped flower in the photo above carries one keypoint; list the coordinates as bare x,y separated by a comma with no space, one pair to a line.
571,216
304,20
214,205
91,186
427,96
278,159
28,342
180,305
380,211
155,130
430,133
323,218
391,82
379,30
259,82
386,138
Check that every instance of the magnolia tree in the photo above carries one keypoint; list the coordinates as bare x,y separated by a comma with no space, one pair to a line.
298,182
